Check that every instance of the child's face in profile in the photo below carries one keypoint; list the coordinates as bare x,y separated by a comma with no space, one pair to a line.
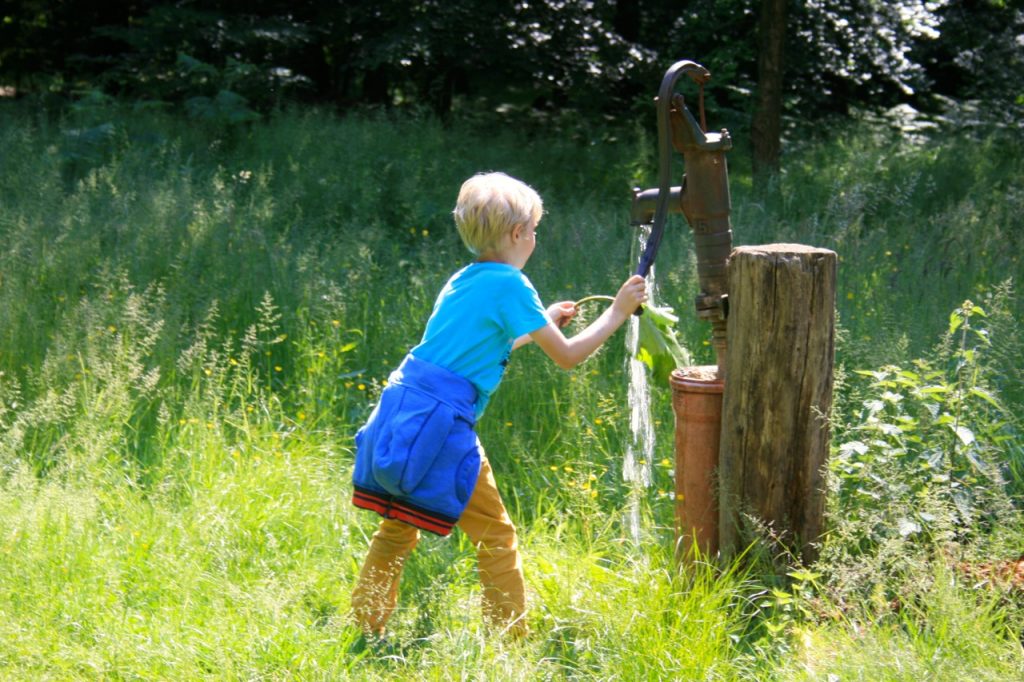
524,241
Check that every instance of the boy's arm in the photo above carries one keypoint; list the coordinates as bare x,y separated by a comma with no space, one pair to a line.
569,352
559,313
521,341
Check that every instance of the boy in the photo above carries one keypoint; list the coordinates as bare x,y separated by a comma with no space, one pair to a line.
418,461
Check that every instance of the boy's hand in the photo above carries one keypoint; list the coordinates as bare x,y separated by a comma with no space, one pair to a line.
632,294
561,313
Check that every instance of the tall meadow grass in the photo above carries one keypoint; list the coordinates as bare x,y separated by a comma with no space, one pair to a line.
194,321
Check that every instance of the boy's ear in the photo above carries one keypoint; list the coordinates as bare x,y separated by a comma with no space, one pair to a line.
517,232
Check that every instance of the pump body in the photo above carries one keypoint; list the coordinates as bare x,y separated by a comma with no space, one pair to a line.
703,197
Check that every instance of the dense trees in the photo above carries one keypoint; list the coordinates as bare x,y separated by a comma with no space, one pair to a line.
236,58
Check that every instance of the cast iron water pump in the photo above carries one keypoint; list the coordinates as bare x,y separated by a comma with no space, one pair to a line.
703,197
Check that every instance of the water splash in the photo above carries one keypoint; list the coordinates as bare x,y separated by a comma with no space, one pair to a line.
636,468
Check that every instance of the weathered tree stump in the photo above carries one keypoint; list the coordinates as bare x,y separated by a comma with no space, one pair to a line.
778,393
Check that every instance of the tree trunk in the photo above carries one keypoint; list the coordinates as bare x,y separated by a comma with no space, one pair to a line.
766,128
778,394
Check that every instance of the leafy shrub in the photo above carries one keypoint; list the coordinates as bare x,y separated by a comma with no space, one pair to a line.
926,461
226,107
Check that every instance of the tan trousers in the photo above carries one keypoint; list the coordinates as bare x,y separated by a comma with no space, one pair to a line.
487,524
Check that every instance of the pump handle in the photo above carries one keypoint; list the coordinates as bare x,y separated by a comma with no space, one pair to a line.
700,76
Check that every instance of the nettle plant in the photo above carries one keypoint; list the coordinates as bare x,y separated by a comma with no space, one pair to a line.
925,456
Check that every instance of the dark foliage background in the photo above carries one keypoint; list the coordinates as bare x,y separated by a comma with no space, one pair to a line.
224,58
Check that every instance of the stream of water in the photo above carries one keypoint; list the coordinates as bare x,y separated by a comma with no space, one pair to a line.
636,468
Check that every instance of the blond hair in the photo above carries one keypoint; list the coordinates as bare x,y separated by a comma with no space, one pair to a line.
490,205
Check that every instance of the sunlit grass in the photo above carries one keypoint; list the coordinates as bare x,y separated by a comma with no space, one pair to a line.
194,321
949,632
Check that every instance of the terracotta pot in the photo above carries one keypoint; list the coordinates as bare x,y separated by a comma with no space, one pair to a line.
697,403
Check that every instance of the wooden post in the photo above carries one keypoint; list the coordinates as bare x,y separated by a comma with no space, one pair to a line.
778,394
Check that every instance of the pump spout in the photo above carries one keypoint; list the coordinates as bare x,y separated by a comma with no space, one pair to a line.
645,201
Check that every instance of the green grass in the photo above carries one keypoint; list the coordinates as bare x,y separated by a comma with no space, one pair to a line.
193,322
944,634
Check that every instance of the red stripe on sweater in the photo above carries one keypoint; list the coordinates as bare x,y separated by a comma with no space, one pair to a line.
371,505
395,510
420,522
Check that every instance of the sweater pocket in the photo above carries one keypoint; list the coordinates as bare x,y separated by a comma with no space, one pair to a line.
418,432
466,475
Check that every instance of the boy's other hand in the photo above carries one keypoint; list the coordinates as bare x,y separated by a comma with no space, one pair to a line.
561,313
632,294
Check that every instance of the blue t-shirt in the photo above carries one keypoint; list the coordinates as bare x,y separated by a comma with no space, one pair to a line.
479,313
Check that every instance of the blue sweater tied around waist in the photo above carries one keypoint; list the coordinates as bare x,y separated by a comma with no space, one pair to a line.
417,456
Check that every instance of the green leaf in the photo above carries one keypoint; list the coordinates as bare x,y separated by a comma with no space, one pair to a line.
873,406
889,429
965,435
986,396
956,319
193,66
662,316
657,346
804,576
854,446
